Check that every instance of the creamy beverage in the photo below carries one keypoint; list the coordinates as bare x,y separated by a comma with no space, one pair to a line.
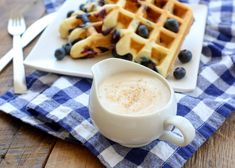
133,93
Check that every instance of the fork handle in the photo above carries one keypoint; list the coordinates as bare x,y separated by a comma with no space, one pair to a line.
18,66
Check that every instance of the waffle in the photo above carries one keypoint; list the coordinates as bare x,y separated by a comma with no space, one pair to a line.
162,45
87,39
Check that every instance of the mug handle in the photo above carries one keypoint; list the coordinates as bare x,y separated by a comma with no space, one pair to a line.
184,126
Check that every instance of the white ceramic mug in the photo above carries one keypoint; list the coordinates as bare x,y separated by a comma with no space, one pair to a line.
137,130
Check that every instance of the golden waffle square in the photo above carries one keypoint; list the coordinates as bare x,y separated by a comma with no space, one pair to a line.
162,45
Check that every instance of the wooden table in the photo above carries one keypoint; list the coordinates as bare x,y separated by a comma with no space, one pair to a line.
24,146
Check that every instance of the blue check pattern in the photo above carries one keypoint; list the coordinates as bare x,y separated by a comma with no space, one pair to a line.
58,104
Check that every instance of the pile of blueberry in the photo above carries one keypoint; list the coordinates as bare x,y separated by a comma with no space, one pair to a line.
62,52
184,57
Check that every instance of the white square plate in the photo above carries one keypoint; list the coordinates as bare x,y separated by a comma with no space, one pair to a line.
42,55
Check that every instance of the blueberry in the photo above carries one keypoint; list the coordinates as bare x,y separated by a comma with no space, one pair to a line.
185,56
143,60
67,47
107,31
143,31
179,73
148,63
101,2
60,53
89,52
79,17
82,8
75,41
115,54
103,49
126,56
115,36
152,66
172,25
84,18
69,13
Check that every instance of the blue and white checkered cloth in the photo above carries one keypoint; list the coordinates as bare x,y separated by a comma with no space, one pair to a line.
58,104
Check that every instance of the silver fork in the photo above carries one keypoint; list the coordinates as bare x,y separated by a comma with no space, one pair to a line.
16,28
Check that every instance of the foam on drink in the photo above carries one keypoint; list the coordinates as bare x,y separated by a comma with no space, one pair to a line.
133,93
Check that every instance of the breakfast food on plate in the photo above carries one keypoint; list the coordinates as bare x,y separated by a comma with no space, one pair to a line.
149,32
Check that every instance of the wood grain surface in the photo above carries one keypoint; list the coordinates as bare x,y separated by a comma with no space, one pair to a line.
26,147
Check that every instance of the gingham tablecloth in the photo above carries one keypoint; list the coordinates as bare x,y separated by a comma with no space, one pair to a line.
58,104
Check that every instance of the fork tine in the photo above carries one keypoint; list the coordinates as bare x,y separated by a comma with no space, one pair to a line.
10,22
17,21
14,20
22,21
